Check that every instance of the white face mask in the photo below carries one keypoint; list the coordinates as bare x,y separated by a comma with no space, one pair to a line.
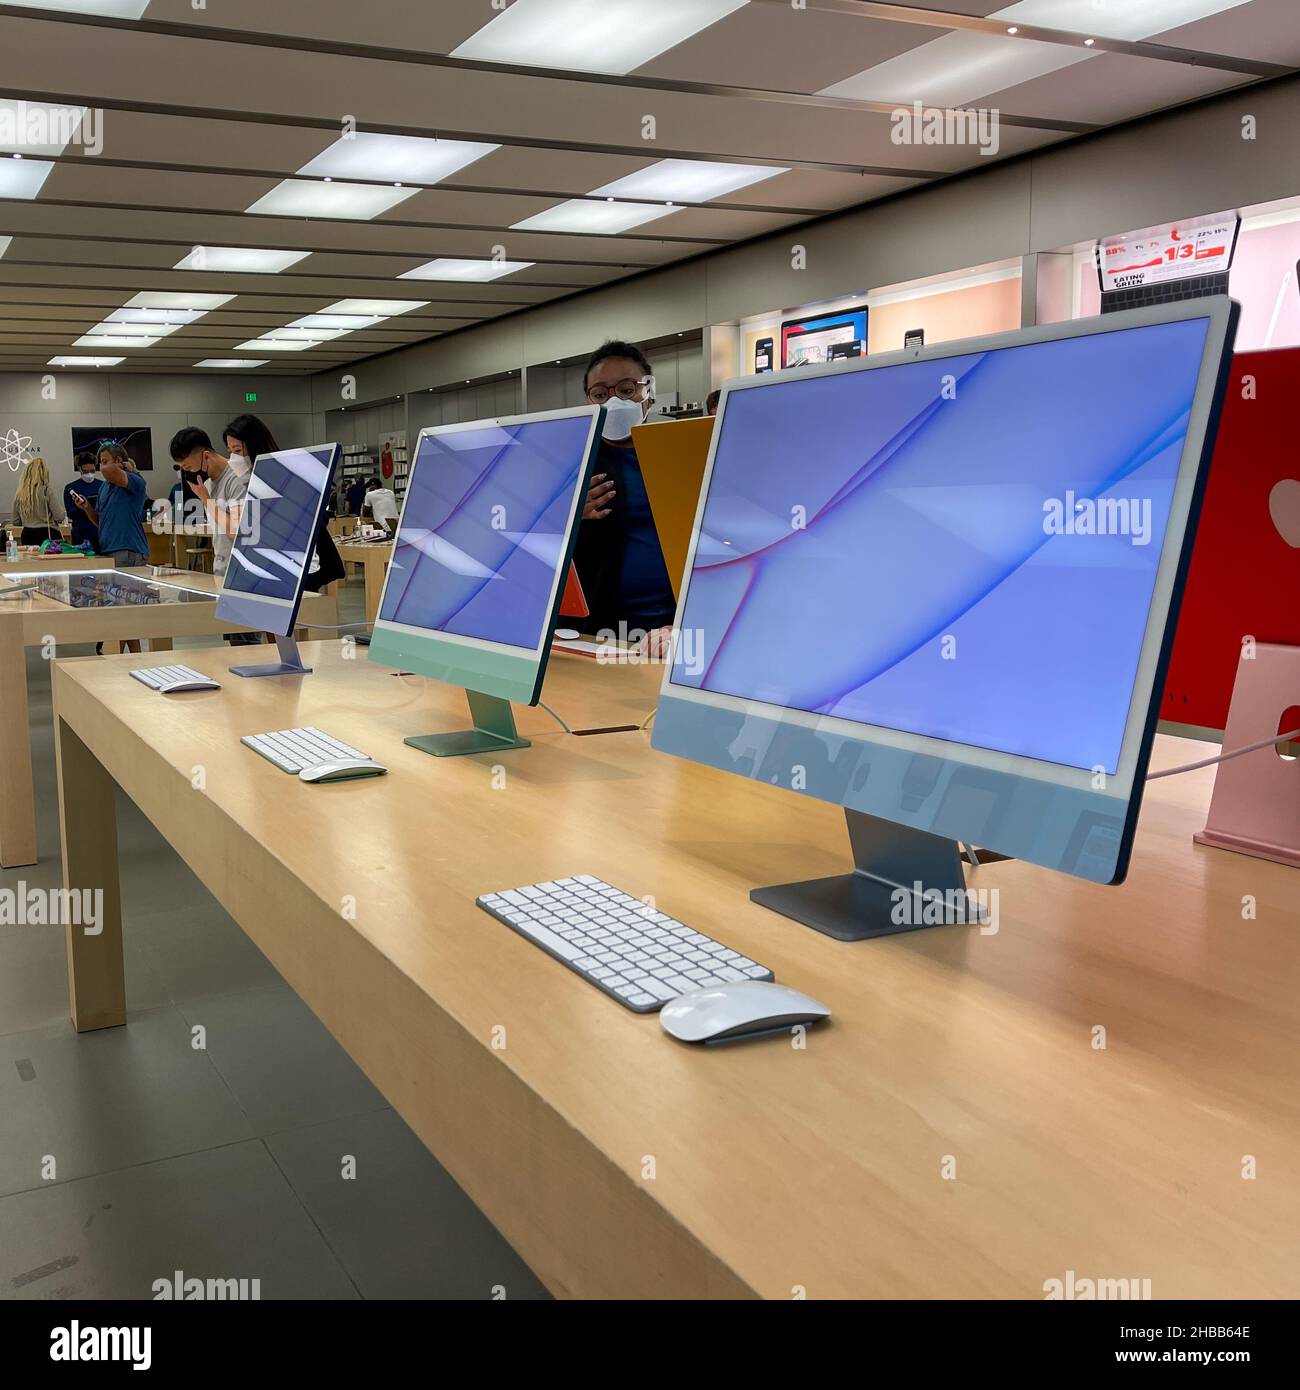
239,463
620,416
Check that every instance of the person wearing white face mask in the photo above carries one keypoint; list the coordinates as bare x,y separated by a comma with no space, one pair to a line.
618,556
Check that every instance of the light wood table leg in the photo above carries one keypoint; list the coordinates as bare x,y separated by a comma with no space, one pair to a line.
88,834
17,793
375,567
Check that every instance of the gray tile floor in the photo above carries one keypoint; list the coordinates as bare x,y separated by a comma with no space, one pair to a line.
127,1154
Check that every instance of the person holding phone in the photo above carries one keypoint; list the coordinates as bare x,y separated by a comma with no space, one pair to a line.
618,556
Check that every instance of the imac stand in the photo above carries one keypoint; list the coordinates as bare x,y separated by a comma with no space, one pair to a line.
1255,808
902,880
494,730
289,664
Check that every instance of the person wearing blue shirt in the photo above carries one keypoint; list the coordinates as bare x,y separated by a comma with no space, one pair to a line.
118,513
118,510
86,485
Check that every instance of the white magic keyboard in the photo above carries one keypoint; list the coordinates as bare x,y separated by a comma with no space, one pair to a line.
291,750
642,957
155,677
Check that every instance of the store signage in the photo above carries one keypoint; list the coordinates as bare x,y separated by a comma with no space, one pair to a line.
1175,251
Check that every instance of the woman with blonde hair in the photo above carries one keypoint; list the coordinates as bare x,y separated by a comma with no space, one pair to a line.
37,508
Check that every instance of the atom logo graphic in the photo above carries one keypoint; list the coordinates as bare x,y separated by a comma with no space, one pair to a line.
15,449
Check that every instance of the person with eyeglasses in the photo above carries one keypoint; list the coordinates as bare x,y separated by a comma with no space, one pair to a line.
618,556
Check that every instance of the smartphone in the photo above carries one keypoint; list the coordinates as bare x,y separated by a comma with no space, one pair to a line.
763,355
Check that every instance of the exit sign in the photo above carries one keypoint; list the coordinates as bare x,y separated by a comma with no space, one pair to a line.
251,397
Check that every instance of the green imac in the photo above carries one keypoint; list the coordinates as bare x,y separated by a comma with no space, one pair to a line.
484,542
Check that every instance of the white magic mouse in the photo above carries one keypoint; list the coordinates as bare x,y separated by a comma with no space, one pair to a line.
749,1009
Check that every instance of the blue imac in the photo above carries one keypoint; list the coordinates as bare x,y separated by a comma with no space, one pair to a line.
484,542
939,587
273,550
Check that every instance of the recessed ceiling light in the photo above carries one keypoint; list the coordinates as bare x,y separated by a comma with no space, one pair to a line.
386,308
408,158
584,36
1013,30
247,363
312,198
270,344
246,259
344,323
178,299
75,361
1088,43
452,268
579,215
689,180
22,178
111,9
103,340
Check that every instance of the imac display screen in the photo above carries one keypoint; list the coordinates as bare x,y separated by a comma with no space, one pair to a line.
964,548
485,530
278,523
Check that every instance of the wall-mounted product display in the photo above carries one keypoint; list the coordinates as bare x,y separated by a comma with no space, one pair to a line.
824,337
943,308
138,443
1257,247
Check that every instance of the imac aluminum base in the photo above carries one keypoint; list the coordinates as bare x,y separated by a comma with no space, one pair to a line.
494,730
903,880
289,664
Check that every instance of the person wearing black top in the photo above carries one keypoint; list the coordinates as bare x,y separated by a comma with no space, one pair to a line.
618,556
247,439
85,484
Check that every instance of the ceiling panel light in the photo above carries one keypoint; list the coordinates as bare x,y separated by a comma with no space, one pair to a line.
245,363
402,158
345,323
611,36
22,178
105,340
155,317
278,344
179,299
38,128
451,268
1133,20
318,335
313,198
111,329
688,180
85,361
111,9
581,215
962,66
386,308
246,259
